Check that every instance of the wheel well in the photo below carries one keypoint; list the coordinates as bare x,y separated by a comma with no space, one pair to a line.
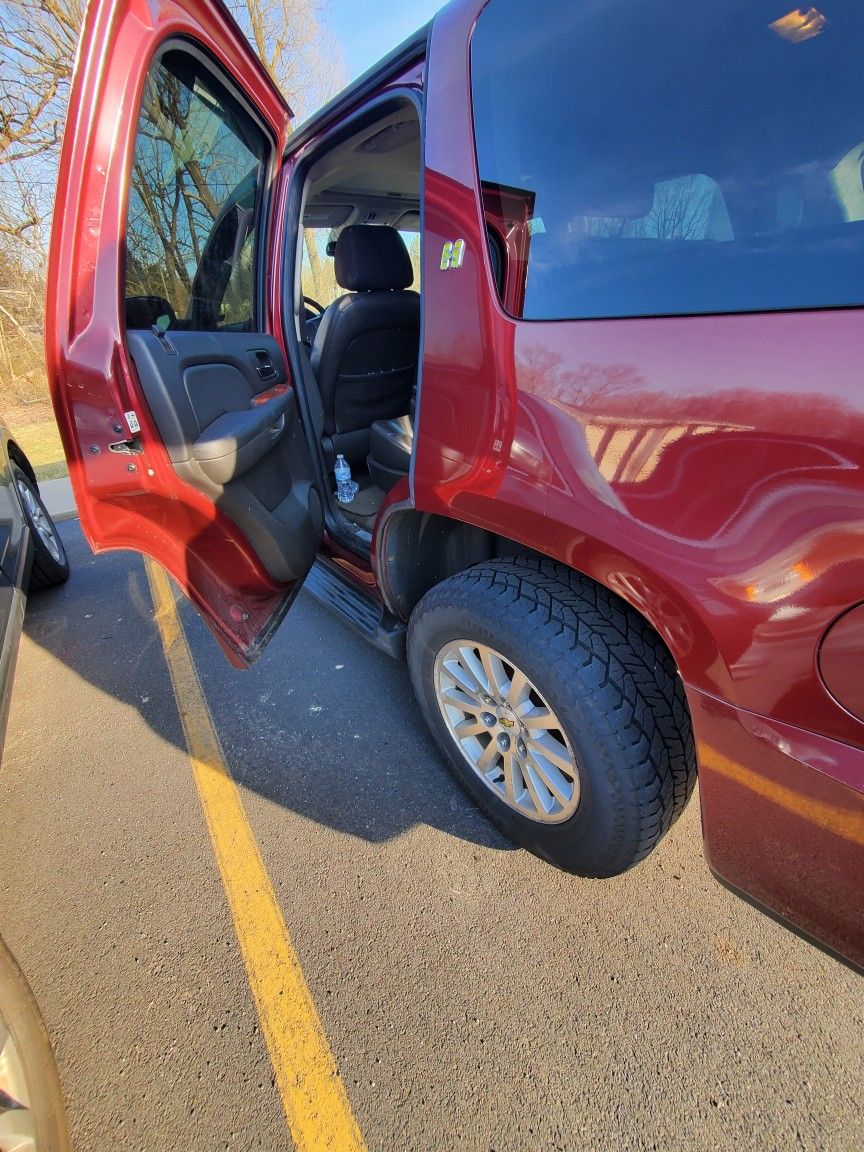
21,460
419,550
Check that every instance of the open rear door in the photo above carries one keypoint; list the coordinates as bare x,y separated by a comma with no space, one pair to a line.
169,382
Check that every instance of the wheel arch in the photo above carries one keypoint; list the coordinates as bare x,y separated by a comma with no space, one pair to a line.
578,652
417,550
19,457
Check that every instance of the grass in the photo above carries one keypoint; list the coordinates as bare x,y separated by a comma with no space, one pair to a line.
41,443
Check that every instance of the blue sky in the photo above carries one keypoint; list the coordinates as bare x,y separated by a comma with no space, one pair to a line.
369,29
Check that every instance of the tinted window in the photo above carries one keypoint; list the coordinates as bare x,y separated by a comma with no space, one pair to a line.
193,202
644,159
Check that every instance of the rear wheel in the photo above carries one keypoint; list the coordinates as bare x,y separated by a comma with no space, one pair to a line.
558,709
50,563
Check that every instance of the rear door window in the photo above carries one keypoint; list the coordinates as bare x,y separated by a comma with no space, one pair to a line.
669,159
194,202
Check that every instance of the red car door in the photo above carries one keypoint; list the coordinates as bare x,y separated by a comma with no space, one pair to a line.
167,367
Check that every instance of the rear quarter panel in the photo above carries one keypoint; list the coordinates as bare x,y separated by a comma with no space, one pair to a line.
708,470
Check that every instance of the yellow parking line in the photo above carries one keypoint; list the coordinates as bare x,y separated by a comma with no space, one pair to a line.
316,1105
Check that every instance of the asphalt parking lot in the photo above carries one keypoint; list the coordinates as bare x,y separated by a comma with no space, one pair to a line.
469,997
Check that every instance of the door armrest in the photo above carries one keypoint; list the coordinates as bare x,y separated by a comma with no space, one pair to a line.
236,441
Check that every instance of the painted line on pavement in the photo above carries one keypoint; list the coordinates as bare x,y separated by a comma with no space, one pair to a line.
315,1102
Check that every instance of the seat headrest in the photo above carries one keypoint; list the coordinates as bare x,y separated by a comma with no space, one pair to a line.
372,258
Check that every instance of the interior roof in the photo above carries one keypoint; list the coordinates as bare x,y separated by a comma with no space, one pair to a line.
348,173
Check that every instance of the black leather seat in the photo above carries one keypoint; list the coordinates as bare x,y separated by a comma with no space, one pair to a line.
365,351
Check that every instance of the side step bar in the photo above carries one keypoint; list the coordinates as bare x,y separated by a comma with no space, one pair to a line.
355,607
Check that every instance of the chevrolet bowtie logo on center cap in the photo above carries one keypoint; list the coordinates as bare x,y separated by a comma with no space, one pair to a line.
507,723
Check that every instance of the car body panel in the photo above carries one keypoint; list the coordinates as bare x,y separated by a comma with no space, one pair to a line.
139,502
783,816
15,564
709,470
13,526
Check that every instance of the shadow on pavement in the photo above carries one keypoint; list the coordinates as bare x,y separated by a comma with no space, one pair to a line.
323,724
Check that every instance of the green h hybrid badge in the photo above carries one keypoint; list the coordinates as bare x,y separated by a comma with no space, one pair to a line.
452,255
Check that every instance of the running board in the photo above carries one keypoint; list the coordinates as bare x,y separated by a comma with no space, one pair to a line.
357,608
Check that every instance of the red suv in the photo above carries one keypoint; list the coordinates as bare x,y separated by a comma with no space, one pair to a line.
577,298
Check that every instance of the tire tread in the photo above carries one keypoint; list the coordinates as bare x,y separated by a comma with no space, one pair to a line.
626,674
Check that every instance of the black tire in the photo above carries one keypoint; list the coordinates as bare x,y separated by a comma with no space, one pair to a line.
610,682
50,562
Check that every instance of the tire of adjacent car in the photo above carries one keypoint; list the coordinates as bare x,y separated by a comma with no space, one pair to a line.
50,562
594,665
21,1023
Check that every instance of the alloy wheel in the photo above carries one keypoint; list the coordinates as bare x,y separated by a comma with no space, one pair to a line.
506,731
39,519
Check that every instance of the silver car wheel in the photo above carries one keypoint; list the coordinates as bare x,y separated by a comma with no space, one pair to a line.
31,1103
39,520
506,731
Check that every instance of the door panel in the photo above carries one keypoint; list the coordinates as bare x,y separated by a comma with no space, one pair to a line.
230,427
171,394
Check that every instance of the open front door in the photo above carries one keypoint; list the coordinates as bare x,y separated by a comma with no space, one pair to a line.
170,386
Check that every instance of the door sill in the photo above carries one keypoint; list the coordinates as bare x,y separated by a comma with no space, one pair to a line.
357,608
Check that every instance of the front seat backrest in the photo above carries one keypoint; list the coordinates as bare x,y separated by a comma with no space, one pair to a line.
365,351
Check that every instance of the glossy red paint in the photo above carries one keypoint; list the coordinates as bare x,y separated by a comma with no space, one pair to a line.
92,380
784,820
840,661
709,470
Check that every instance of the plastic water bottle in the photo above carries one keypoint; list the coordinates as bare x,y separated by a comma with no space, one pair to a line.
346,488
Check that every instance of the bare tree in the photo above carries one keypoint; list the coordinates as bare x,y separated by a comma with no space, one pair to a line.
308,66
38,40
173,205
296,47
37,47
681,209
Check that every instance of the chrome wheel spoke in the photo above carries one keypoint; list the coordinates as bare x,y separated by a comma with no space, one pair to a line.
462,676
552,751
540,794
488,758
506,731
509,774
552,779
458,699
538,718
496,678
519,692
473,666
469,727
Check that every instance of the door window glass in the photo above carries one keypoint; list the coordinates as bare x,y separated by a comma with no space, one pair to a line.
659,159
194,198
